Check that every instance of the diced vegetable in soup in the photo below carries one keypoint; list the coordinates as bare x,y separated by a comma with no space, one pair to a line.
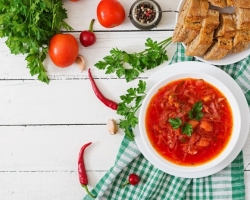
189,122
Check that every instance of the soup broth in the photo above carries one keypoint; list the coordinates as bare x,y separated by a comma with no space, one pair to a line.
189,122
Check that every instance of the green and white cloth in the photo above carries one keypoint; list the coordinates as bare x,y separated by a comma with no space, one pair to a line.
158,185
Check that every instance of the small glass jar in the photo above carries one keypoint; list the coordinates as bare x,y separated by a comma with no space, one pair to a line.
145,14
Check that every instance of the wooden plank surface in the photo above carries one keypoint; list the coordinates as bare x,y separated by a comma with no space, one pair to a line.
42,127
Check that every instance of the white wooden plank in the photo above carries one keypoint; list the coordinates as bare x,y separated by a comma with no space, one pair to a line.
56,148
62,102
44,185
81,13
14,66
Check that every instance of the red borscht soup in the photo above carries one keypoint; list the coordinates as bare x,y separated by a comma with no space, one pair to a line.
189,122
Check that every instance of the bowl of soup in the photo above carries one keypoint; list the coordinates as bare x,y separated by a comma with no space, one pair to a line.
189,122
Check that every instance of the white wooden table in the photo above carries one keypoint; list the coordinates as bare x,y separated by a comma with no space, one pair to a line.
42,127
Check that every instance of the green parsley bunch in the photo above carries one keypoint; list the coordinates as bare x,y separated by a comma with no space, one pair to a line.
29,26
154,55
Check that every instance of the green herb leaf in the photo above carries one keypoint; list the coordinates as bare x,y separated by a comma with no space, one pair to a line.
28,26
154,55
187,129
131,102
195,112
175,122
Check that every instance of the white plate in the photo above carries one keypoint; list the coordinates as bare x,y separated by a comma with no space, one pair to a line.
229,58
192,66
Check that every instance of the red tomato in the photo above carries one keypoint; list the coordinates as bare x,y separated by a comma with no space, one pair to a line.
63,50
110,13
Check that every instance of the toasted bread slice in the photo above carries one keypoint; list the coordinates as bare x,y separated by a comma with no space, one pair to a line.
241,46
197,11
189,21
200,44
177,35
230,2
219,49
211,22
241,3
241,36
190,36
226,27
218,3
242,18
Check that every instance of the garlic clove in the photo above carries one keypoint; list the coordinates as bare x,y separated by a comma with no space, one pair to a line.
80,61
112,126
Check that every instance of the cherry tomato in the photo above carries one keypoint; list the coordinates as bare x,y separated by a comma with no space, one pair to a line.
133,179
63,50
110,13
87,38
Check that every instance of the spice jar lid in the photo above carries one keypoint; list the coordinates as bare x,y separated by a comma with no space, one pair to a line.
145,14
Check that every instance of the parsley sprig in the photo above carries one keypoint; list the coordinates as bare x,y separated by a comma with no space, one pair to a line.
131,102
195,113
151,57
28,26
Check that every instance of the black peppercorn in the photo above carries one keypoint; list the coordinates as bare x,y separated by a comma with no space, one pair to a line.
145,14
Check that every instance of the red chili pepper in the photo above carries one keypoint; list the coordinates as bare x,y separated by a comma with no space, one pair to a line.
100,96
83,178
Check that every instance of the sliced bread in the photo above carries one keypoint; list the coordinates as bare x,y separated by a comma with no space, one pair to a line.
177,36
219,49
226,27
241,36
241,46
241,3
200,44
242,18
230,2
218,3
197,11
211,22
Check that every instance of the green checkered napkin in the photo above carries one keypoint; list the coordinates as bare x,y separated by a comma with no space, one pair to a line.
157,185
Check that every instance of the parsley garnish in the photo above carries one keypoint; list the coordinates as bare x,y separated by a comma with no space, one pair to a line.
175,122
187,129
195,112
151,57
28,26
131,102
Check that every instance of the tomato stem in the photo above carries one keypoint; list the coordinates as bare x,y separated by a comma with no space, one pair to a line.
124,184
91,25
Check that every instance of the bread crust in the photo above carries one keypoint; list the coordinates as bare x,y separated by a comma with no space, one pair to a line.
218,3
227,26
219,49
241,3
197,11
189,22
241,46
242,18
211,22
200,44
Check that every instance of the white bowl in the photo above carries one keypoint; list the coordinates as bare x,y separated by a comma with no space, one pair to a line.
235,131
